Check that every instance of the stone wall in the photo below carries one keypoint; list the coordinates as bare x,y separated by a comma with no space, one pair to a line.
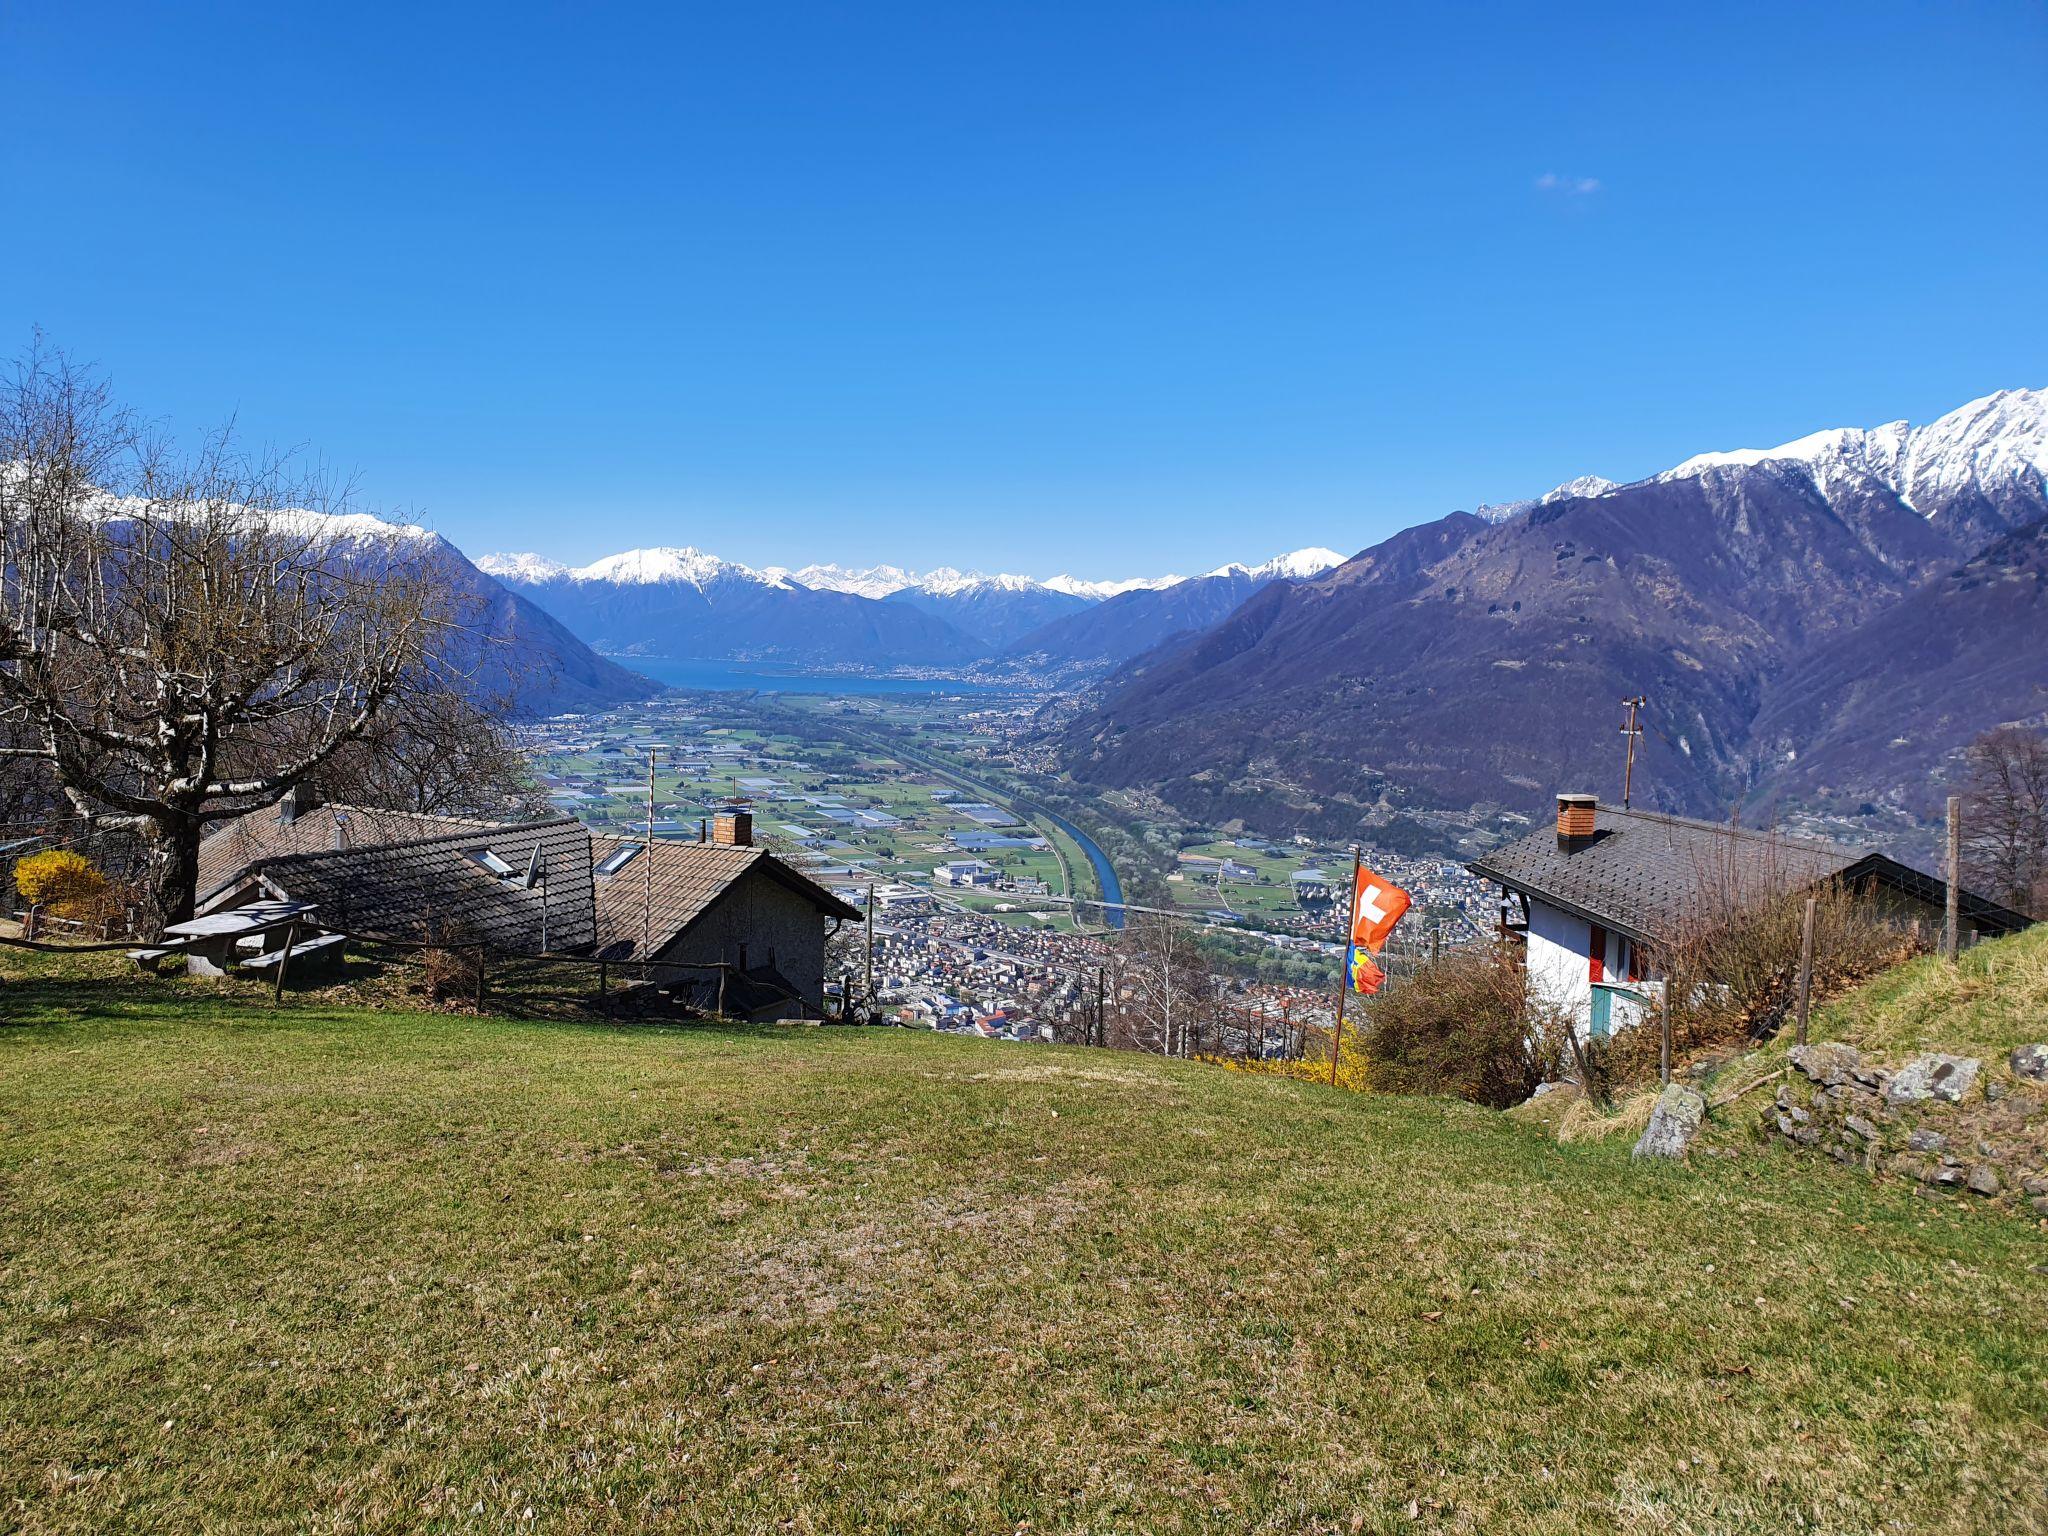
1948,1124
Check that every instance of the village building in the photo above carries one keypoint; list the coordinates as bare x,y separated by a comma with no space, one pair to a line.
1594,898
726,924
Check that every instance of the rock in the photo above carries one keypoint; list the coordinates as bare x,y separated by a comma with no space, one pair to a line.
1828,1063
1994,1090
1806,1136
2030,1061
1799,1116
1983,1180
2036,1185
1543,1088
1943,1175
1927,1141
2040,1205
1861,1127
1933,1076
1673,1123
1784,1125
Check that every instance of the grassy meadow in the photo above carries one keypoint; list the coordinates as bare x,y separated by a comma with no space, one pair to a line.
330,1270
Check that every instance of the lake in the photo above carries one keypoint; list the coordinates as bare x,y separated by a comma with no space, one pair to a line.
765,677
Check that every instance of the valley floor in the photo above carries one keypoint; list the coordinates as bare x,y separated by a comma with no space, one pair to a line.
339,1271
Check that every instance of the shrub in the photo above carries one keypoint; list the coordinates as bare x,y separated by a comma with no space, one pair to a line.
62,883
1462,1026
1734,968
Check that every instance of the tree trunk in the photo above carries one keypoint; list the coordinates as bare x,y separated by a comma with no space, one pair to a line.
176,876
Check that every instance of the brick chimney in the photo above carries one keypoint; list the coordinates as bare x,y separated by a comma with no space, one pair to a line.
1575,820
733,828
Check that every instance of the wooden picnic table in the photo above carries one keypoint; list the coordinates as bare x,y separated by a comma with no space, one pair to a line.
211,941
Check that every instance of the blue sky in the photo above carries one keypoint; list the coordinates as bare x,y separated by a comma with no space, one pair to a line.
1101,287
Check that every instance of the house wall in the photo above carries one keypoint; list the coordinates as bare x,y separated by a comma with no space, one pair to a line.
773,924
1559,970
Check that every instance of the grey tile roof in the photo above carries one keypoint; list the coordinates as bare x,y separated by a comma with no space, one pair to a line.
434,888
1641,873
688,878
228,852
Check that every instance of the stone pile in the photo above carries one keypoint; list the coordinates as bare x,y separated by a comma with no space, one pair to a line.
1943,1122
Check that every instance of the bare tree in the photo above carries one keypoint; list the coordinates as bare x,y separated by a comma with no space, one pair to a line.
186,637
2005,817
1166,987
437,753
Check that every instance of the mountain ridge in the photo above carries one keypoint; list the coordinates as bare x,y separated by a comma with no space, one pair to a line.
1478,660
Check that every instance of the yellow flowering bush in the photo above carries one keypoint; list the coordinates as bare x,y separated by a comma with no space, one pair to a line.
62,883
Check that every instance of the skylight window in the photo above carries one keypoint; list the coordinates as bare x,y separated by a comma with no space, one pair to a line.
614,862
483,858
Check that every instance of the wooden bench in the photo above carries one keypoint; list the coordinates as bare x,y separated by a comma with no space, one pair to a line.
151,960
318,955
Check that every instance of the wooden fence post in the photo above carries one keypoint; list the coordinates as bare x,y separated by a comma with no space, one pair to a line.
1952,904
291,933
479,978
1805,967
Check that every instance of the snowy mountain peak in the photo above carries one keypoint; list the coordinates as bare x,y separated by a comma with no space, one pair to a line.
668,565
872,581
1296,566
1096,591
521,567
1986,446
1583,486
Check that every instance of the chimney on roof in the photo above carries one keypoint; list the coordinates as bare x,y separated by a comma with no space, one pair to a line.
734,828
1575,815
296,799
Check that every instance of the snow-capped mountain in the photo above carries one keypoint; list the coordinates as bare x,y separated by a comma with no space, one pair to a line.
1829,621
509,651
664,565
1135,620
1980,468
634,603
1584,485
1296,566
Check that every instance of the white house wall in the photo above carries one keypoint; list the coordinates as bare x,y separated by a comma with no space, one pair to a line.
1558,973
1557,962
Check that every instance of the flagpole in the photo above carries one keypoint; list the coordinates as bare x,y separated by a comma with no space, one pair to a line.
1344,965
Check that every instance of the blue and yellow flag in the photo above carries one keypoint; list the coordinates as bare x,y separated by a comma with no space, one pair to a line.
1362,976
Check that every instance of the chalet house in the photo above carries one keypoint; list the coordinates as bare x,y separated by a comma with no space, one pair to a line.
1597,895
550,886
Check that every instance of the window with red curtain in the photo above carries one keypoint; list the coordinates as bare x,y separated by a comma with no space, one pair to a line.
1596,954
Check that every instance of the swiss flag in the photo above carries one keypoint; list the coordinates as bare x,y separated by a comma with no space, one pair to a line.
1376,905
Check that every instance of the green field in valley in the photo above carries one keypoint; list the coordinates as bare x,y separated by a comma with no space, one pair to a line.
332,1270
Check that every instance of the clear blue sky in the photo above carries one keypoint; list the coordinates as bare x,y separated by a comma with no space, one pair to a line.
1103,286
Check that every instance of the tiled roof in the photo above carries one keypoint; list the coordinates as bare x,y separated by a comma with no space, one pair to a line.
434,888
247,840
687,878
1641,873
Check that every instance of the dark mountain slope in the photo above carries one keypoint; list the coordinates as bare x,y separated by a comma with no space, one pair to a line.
1465,663
1877,714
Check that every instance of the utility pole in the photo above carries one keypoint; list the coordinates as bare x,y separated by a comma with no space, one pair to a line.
1101,1024
1633,732
1953,906
1344,966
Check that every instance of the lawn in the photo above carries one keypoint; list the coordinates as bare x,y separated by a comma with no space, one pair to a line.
328,1270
